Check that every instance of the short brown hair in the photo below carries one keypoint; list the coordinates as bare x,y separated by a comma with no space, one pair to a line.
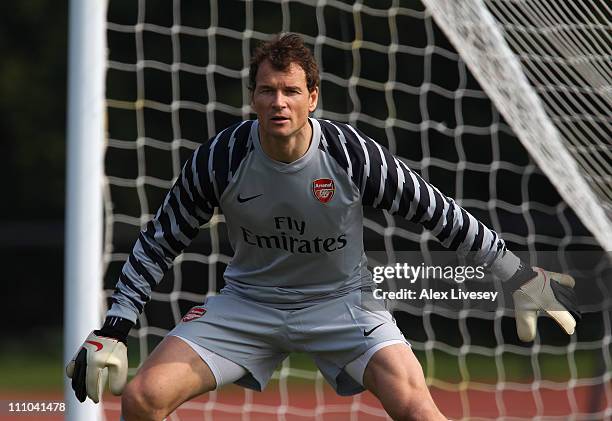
281,51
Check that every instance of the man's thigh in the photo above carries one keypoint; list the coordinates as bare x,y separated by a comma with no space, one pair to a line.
393,365
396,378
173,374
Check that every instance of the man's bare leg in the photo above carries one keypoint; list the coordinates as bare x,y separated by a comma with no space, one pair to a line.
173,374
396,378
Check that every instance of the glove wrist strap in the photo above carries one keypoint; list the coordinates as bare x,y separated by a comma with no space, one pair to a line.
523,274
505,265
115,327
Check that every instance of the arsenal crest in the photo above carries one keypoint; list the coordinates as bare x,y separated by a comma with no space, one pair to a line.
323,189
194,313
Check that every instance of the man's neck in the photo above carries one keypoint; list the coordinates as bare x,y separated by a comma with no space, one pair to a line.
287,149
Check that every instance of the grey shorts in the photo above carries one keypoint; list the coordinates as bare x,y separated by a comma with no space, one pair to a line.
259,338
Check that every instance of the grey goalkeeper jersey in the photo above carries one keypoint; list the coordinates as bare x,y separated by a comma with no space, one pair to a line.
296,229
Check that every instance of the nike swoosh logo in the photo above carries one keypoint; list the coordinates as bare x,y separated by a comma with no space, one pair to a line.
369,332
98,345
246,199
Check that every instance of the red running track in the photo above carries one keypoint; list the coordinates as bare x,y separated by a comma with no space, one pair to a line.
233,404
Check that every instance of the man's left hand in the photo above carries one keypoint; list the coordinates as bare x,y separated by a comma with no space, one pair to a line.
550,292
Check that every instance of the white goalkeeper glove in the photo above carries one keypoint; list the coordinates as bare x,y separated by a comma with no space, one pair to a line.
100,357
551,293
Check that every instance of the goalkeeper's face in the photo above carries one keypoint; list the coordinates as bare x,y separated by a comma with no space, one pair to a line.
282,101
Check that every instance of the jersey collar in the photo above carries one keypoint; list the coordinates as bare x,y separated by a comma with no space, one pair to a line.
295,165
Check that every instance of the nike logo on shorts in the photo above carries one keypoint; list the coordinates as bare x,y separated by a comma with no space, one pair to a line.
369,332
246,199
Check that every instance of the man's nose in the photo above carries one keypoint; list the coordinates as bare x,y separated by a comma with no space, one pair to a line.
278,101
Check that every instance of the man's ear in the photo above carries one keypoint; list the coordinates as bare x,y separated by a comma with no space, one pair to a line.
313,99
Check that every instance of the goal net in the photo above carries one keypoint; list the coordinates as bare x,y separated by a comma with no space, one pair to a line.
503,105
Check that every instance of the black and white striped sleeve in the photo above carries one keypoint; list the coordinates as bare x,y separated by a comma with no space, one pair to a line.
385,182
188,204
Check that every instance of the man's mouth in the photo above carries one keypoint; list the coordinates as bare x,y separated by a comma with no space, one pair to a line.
279,119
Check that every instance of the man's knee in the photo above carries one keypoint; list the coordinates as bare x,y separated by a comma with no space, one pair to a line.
141,401
172,374
408,399
414,407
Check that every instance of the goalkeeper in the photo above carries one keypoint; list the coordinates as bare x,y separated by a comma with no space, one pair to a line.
292,189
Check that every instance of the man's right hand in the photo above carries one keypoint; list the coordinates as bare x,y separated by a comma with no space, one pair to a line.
104,353
87,369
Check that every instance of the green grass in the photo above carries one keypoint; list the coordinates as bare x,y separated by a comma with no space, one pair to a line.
513,367
32,362
35,363
476,367
21,373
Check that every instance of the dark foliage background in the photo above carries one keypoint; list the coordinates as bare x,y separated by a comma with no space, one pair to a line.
33,42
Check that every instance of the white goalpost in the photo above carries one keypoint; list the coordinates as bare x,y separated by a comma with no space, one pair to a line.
83,298
504,105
